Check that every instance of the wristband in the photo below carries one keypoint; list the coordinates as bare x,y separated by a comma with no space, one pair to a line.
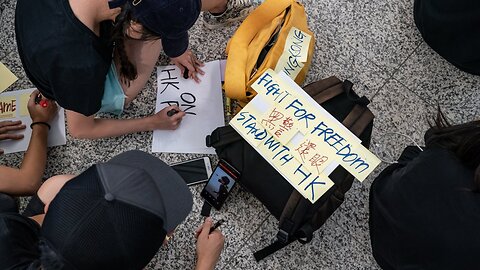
39,123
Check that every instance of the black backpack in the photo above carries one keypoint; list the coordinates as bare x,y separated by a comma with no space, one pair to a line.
298,217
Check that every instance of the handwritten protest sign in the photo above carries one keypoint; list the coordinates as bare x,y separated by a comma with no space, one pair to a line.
311,142
6,77
8,106
14,107
202,103
295,53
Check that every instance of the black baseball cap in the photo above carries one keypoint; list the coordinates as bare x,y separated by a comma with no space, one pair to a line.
169,19
115,215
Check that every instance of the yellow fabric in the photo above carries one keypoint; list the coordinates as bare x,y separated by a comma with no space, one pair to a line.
244,47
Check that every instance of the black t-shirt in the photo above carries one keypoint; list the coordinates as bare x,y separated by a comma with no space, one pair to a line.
452,29
19,238
63,58
424,215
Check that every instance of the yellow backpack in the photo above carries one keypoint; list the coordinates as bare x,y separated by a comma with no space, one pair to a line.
275,35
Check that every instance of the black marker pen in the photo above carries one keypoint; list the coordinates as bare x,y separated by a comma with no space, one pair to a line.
216,225
185,73
172,112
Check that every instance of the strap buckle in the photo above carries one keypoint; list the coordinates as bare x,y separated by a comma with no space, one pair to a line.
282,236
210,140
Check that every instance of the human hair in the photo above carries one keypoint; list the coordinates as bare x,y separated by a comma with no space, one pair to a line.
224,180
128,71
462,139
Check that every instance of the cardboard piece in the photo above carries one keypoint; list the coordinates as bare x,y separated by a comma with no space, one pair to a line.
7,78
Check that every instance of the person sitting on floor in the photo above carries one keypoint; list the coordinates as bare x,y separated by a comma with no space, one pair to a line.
424,210
114,215
451,28
96,56
26,180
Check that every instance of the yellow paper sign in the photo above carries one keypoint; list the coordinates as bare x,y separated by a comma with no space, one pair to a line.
8,107
295,53
300,157
22,106
311,185
281,125
310,154
7,78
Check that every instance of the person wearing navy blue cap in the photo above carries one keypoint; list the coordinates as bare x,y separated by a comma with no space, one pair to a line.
96,56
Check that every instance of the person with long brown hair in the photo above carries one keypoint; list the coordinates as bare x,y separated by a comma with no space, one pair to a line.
96,56
424,210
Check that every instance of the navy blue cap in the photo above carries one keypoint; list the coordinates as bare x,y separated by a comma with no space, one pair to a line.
170,19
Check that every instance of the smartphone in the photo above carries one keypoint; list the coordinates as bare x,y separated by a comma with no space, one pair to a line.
194,171
220,183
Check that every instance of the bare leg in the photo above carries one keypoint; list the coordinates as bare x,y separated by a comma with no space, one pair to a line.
214,6
144,55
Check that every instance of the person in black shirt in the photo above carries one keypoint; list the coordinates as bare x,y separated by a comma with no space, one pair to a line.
451,28
67,47
425,209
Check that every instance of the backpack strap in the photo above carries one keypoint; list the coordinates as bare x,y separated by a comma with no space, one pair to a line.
325,89
292,215
222,136
358,119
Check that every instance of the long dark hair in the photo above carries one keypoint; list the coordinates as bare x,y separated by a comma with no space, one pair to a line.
463,140
128,71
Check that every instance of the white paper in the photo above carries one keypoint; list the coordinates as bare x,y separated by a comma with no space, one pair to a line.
56,135
202,103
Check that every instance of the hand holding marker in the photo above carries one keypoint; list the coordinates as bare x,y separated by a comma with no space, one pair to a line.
172,112
42,102
216,225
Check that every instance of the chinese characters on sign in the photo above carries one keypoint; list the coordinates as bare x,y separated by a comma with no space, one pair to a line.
298,137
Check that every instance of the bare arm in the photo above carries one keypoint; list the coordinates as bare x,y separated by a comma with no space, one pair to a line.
27,179
89,127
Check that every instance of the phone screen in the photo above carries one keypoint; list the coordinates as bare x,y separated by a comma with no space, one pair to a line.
220,183
194,171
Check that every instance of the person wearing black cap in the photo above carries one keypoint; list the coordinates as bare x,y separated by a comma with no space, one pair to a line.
114,215
452,29
26,180
75,55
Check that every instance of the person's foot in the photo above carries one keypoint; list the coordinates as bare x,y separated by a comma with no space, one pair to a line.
236,10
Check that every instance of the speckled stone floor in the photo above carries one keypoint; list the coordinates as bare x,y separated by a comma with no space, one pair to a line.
373,43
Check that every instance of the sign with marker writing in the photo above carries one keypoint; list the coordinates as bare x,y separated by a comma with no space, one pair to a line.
8,106
295,53
13,106
311,142
202,102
